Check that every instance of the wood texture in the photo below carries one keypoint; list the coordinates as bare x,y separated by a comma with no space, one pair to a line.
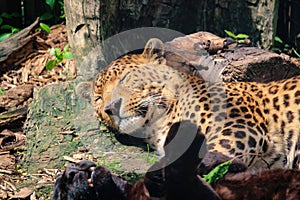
220,59
16,48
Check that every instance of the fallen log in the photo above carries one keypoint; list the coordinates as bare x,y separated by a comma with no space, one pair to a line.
13,104
221,59
16,48
8,118
16,96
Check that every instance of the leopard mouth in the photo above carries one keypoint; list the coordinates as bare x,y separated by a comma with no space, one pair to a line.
132,125
126,124
124,121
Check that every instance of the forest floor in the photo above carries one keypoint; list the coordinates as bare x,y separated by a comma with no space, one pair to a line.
18,84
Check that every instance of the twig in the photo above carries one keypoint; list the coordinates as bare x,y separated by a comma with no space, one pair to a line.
3,171
11,185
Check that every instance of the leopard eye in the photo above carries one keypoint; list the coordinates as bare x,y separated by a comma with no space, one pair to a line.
143,110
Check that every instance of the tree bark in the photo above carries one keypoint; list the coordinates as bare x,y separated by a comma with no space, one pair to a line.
210,57
89,22
258,19
16,48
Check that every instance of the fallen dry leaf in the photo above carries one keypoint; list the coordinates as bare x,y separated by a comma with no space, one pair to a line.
23,193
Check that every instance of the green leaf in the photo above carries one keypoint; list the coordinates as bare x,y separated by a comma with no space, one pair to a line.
6,15
60,59
45,27
277,39
276,49
1,91
58,52
11,28
51,64
50,3
3,36
1,20
217,173
6,27
9,16
15,14
295,52
242,36
55,52
230,34
62,16
66,48
52,51
61,2
67,55
46,16
14,30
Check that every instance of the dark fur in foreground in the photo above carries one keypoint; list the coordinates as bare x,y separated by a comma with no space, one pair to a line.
178,180
266,184
182,181
73,184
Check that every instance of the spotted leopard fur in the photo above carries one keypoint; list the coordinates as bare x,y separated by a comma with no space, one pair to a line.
257,121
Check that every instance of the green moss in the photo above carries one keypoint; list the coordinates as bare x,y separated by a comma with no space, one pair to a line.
58,123
44,192
132,177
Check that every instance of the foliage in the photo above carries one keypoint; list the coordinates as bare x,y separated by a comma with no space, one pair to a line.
1,91
45,27
59,56
50,14
7,29
217,173
54,6
239,37
113,165
131,177
150,158
281,47
8,16
43,191
12,30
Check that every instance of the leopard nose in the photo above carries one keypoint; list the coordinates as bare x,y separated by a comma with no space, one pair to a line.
113,108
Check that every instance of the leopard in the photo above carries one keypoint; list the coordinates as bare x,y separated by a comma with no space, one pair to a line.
256,122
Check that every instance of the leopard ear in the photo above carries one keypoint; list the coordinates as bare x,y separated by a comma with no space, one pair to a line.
154,50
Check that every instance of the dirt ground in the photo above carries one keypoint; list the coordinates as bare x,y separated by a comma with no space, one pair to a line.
18,85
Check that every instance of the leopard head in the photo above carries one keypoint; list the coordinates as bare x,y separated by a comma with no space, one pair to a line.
107,83
135,103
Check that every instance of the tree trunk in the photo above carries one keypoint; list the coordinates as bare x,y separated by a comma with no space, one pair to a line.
89,22
258,19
